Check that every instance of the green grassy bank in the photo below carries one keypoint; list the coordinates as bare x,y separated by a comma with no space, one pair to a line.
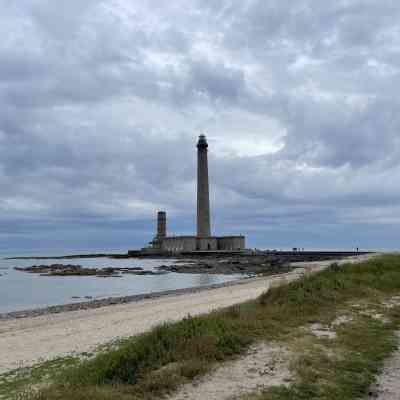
154,364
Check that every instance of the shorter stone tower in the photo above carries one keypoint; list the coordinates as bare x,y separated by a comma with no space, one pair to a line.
161,224
161,230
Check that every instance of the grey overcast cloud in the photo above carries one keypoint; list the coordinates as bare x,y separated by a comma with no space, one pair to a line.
101,103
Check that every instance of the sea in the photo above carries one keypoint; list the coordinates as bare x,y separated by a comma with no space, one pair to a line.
24,291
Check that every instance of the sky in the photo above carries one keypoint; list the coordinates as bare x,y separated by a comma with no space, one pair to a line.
101,104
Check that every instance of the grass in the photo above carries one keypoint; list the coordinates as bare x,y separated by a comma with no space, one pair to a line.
13,382
343,368
154,364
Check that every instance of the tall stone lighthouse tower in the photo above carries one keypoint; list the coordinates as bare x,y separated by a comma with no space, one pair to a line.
203,197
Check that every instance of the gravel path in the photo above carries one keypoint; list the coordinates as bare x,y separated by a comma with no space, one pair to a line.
26,341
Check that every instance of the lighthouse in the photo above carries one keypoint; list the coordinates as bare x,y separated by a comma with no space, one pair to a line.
203,241
203,192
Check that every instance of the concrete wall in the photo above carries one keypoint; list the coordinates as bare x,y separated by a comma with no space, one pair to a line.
209,243
179,243
192,243
231,243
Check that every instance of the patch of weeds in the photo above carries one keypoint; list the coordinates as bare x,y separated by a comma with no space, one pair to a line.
18,380
340,369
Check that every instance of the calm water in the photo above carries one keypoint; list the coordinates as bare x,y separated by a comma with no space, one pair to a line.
22,291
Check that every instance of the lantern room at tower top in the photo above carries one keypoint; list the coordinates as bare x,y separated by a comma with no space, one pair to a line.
203,241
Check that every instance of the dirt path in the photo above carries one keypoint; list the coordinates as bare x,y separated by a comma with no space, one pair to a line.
24,342
388,384
263,366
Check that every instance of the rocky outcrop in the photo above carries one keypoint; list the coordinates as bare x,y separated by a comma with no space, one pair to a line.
228,266
78,270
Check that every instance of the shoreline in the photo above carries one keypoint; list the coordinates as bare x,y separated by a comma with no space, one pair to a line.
113,301
126,299
32,339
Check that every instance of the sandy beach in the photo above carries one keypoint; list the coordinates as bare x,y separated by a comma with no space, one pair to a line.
27,341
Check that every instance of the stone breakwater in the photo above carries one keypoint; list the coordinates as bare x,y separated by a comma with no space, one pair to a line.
78,270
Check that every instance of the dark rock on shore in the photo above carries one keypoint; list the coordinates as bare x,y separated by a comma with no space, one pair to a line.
131,269
145,272
78,270
234,265
70,257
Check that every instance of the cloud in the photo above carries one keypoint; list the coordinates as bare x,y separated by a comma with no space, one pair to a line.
101,104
